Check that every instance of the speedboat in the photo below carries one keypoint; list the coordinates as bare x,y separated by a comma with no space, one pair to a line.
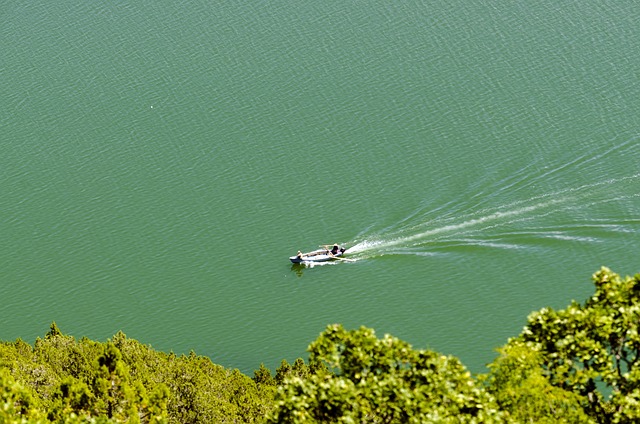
321,255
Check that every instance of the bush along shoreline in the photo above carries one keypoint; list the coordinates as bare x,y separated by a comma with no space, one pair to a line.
578,364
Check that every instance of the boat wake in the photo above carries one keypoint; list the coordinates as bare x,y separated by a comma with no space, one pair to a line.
578,214
312,264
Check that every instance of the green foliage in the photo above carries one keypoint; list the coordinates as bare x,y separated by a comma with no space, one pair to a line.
381,381
115,395
263,376
17,405
54,331
576,365
70,398
201,391
517,381
283,372
65,380
298,369
593,349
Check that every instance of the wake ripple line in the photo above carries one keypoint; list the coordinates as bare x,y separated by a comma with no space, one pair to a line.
366,245
515,204
489,216
584,159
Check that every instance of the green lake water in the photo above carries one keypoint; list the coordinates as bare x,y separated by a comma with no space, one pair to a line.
161,160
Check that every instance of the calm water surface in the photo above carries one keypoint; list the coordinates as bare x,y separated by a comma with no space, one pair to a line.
161,161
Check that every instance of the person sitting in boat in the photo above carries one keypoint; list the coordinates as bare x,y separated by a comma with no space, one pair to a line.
335,249
299,255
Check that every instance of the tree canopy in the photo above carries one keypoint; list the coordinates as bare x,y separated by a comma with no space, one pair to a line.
592,349
574,365
381,381
61,379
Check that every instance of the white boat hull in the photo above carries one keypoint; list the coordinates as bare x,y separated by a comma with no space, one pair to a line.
315,256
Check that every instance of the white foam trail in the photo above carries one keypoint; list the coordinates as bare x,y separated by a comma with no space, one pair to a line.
573,191
377,244
447,227
473,222
364,246
483,243
312,264
565,237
